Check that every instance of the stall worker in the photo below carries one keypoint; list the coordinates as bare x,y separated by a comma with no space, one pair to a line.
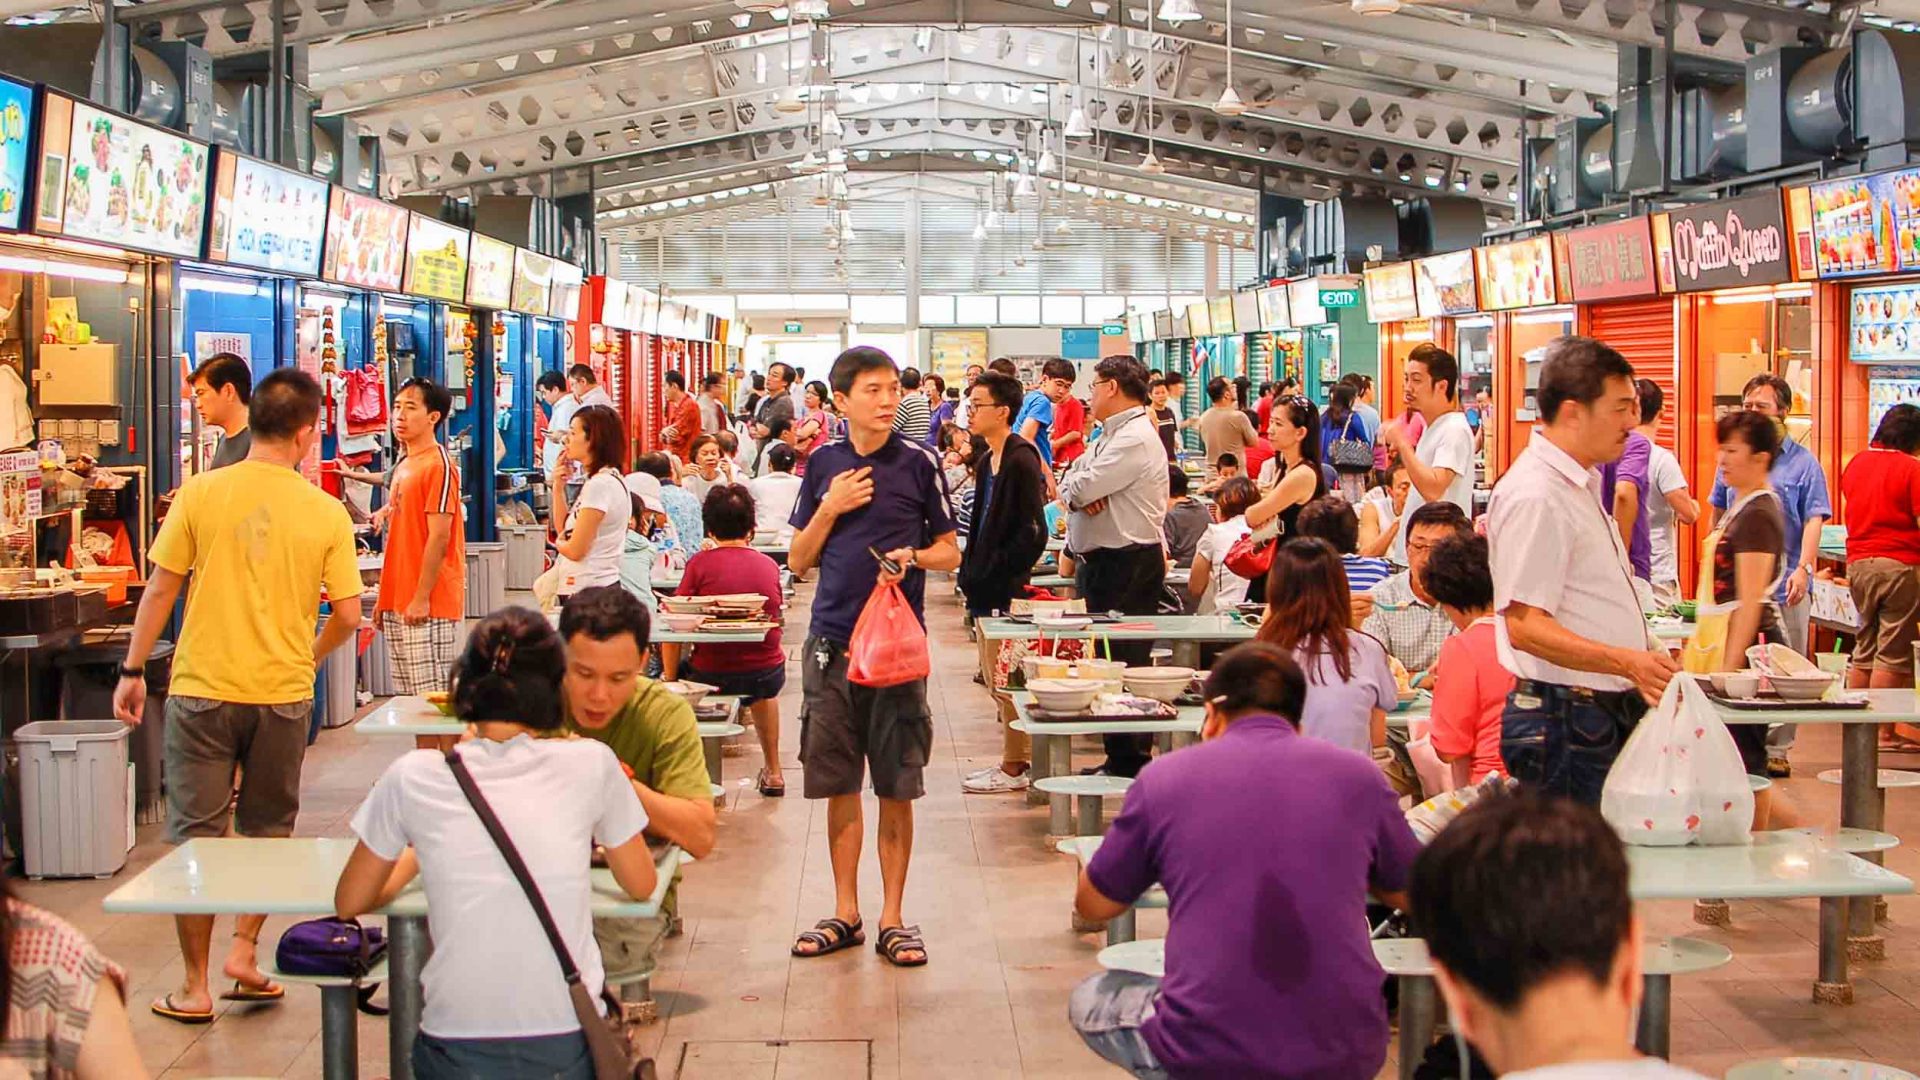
423,577
221,386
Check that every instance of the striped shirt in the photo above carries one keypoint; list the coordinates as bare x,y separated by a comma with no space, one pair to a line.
56,973
1363,573
914,418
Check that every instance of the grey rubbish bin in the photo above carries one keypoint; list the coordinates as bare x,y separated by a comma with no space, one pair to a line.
74,787
88,675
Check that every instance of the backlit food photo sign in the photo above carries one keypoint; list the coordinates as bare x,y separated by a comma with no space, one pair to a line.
1729,244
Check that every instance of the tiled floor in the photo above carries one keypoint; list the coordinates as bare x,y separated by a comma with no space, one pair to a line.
993,902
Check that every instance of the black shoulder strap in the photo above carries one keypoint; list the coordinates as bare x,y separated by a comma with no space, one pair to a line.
514,863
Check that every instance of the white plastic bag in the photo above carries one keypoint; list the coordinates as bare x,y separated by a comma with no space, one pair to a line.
1679,779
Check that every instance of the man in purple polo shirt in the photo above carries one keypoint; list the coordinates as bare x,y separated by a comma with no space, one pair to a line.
1267,843
1624,483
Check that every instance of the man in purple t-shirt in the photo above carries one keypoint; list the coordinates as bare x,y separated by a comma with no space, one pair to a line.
1624,484
1267,843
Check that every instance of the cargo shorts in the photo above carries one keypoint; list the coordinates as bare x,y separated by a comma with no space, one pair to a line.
847,729
207,740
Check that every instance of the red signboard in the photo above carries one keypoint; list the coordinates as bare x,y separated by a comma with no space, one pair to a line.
1611,262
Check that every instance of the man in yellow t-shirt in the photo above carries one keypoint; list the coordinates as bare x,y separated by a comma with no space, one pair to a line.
260,543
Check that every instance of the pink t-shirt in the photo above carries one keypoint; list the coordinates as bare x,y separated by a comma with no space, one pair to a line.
1469,693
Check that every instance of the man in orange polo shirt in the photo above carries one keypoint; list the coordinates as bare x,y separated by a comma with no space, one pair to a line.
683,418
423,587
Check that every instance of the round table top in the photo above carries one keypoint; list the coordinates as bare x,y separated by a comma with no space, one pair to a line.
1889,778
1807,1068
1147,957
1402,956
1682,956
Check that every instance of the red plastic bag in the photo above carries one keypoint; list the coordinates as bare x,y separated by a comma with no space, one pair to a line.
889,645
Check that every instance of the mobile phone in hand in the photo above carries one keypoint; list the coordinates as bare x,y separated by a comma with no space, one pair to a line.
886,564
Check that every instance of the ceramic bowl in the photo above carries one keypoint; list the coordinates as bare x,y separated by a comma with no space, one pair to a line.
1063,695
1044,667
1739,685
1158,683
682,621
690,692
1062,622
1800,687
687,605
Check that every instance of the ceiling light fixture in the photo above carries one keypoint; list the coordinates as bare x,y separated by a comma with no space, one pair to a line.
1177,11
830,124
1024,185
1077,124
1229,103
1375,7
1046,162
810,9
1151,164
790,101
979,230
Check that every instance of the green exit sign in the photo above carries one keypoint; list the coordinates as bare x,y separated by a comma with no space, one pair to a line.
1113,329
795,328
1339,298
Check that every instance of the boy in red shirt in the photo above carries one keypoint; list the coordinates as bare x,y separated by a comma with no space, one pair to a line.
1069,431
423,586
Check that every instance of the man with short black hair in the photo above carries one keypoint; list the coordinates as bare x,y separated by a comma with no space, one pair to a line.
873,491
776,405
683,417
1224,427
1669,503
221,386
552,387
1569,623
653,732
1187,518
1523,902
1399,610
914,416
1269,971
423,586
1035,422
1441,466
261,544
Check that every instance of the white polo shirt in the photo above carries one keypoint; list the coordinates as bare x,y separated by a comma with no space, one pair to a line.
1554,549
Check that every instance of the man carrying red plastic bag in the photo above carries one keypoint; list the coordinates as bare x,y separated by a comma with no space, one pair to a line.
873,515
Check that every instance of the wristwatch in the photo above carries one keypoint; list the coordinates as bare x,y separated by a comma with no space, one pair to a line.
913,556
127,672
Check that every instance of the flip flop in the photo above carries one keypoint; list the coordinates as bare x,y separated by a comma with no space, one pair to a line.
242,992
166,1008
771,791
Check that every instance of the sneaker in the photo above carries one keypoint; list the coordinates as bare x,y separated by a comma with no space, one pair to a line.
1779,768
982,774
994,782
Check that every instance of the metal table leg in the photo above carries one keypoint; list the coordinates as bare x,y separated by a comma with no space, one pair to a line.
1087,816
339,1032
1862,807
1418,1005
1059,816
710,749
1186,654
1041,767
1655,1037
408,946
1120,928
1834,987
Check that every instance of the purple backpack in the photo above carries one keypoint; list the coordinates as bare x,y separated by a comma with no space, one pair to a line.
340,948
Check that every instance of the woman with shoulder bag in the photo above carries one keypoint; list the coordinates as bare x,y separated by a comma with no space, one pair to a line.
1344,435
499,1003
1294,430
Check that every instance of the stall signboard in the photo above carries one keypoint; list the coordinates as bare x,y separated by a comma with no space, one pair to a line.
563,299
16,161
1220,315
1390,293
649,308
1273,308
1866,224
366,243
616,306
1180,328
1726,244
1163,324
437,259
266,217
117,181
1303,302
489,273
1611,262
1884,324
1199,320
532,282
1445,284
1516,275
1246,311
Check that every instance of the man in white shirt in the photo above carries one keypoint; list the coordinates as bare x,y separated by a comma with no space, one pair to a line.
1524,906
1441,467
1669,504
1570,627
713,410
1116,499
586,387
775,492
561,406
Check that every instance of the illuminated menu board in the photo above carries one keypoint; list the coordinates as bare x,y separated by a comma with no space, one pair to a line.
563,301
16,166
1199,320
117,181
1273,308
1516,275
366,243
1390,293
1162,325
437,259
1220,314
1445,284
1725,244
1303,303
489,273
266,217
532,281
1611,262
1866,224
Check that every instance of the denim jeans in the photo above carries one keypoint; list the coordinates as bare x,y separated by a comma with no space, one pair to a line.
1565,740
1108,1010
541,1057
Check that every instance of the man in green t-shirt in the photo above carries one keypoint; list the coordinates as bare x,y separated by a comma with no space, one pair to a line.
654,735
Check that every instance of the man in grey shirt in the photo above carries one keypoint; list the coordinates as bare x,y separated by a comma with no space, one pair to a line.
1116,500
222,386
776,405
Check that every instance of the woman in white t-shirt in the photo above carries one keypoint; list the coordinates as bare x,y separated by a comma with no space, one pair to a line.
1212,586
496,1005
595,537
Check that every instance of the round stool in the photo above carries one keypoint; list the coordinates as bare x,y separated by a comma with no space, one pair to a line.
1144,957
1758,784
1851,841
1087,793
1407,961
1660,961
1885,780
1888,778
339,1013
1807,1068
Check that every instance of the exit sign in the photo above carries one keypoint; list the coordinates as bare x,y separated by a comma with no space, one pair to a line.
795,328
1113,329
1339,298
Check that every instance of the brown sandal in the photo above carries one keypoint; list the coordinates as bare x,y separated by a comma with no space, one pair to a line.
769,789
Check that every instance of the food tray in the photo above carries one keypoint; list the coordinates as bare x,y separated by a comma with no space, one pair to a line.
1768,701
712,713
1042,716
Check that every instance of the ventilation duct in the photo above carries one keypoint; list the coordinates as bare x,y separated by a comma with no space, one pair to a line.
1638,124
1339,232
1277,214
1797,107
1886,100
1581,171
1440,223
1710,133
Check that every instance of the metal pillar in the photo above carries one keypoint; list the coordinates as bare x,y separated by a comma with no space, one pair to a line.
1862,806
340,1032
1655,1034
1419,1005
409,945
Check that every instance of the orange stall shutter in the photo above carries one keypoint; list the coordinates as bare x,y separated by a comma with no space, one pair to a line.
1642,331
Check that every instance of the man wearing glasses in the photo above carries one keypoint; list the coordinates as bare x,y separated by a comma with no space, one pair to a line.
1008,536
1116,499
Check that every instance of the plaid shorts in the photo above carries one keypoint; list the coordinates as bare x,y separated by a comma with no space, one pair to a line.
421,655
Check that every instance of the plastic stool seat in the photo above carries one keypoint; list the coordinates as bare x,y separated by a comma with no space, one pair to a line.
1403,957
1145,957
1083,786
1810,1068
1851,841
1758,784
1682,956
376,974
1889,778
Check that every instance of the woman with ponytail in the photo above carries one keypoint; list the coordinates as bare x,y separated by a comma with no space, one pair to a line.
496,1005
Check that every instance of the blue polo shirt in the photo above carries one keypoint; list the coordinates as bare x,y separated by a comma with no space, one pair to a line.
1802,486
910,507
1266,842
1038,406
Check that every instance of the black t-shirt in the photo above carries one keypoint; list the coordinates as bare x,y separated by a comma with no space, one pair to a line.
1168,426
1759,527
